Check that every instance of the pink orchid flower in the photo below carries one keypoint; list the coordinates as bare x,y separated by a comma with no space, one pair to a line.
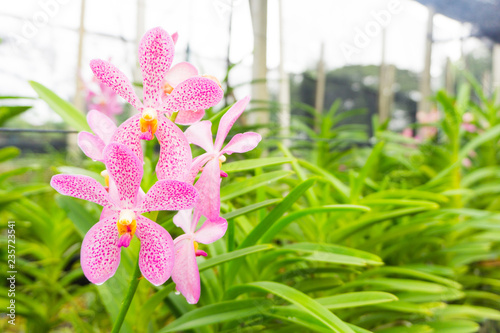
200,134
104,128
156,53
176,75
185,273
105,100
100,253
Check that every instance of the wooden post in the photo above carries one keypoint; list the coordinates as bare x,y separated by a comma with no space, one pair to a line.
258,10
140,29
386,92
73,151
387,75
284,92
496,71
320,87
425,80
79,83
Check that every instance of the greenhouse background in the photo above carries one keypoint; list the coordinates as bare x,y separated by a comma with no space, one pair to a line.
370,201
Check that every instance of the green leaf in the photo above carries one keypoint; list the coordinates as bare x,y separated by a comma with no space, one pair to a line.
334,252
490,134
80,217
218,313
299,299
8,153
455,326
236,189
407,194
254,164
396,284
284,221
408,329
151,304
356,299
387,270
8,112
344,232
468,311
276,213
250,208
357,187
71,115
343,190
226,257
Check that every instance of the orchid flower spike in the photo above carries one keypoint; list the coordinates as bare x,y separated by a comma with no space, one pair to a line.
185,273
104,128
156,51
100,253
200,134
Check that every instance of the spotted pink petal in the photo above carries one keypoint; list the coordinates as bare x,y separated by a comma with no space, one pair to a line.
128,134
156,52
197,165
193,94
91,145
156,258
200,134
107,213
125,173
184,219
227,121
185,274
101,125
116,80
81,187
242,142
208,187
180,72
169,195
100,254
211,230
189,117
175,154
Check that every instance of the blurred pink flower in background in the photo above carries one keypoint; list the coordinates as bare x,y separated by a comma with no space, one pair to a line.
103,99
467,122
431,118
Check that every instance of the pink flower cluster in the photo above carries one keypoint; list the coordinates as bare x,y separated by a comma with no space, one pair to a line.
171,94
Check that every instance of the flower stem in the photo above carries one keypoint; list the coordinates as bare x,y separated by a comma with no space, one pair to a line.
174,116
128,299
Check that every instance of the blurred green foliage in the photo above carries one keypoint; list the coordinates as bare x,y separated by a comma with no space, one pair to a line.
325,235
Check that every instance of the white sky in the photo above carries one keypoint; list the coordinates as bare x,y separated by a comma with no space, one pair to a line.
49,54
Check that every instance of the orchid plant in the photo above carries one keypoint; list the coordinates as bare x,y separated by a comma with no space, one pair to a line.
172,95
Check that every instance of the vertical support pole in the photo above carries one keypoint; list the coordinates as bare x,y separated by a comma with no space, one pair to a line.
284,92
140,29
424,104
73,151
79,83
320,87
496,71
258,9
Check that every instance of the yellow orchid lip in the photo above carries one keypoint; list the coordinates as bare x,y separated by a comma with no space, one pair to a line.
167,88
126,222
149,120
